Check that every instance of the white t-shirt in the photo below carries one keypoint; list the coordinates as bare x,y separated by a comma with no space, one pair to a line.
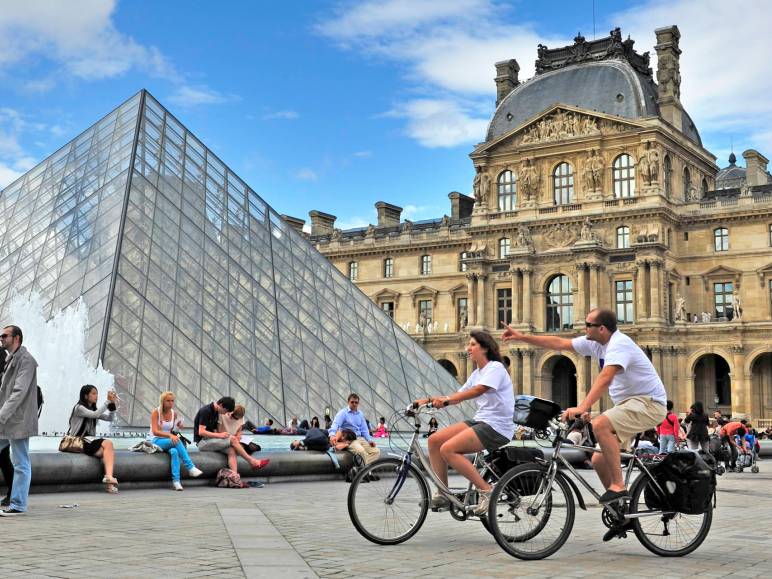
496,407
637,377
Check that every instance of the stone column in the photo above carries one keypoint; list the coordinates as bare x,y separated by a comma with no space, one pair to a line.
656,290
741,399
514,370
594,285
639,280
471,309
462,369
528,371
527,313
481,299
683,379
580,307
515,296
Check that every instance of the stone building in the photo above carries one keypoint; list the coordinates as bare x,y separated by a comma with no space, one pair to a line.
592,188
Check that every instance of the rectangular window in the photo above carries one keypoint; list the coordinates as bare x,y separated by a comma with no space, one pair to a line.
624,301
461,264
353,270
388,267
388,307
424,313
426,264
770,235
462,312
503,306
722,299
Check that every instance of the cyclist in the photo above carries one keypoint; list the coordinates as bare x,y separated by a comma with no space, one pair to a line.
491,428
632,382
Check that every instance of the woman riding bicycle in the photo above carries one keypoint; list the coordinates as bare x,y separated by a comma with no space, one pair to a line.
491,428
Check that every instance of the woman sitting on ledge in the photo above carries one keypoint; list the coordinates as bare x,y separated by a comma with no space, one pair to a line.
83,423
165,426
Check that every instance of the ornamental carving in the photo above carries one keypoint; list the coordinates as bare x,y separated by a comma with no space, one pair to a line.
565,124
648,233
561,235
648,165
529,180
593,171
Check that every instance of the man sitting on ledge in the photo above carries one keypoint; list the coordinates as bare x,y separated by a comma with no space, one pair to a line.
205,426
350,418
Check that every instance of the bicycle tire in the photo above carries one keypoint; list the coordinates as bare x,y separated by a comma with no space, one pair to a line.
374,518
646,528
529,541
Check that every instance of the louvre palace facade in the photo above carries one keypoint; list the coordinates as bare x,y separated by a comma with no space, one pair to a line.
592,188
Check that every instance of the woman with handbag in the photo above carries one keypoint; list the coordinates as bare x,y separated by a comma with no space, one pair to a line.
164,433
83,427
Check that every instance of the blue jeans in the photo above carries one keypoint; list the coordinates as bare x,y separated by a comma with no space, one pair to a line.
666,443
22,471
177,452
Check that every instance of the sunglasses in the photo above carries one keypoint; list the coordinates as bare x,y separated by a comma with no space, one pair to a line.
591,325
5,336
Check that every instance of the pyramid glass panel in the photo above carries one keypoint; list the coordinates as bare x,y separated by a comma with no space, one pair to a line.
194,283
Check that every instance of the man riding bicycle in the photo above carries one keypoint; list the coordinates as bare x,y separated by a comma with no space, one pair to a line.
632,382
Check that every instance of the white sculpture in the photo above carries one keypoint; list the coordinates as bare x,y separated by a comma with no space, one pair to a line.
738,308
680,309
446,327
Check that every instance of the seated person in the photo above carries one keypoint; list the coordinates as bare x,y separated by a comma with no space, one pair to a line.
292,427
209,437
380,431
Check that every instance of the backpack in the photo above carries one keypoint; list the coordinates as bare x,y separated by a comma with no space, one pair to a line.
228,479
40,401
688,480
316,439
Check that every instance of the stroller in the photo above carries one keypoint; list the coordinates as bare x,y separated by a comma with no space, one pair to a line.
720,452
748,460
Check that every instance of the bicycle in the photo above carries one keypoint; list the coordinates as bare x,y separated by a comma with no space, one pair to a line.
539,496
389,499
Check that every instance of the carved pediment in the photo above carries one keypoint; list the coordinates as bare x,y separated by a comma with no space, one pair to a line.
424,291
764,272
385,295
721,272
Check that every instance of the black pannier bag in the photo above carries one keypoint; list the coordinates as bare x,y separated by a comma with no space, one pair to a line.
718,450
534,412
508,457
688,480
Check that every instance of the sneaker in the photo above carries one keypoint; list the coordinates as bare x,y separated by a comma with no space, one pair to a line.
263,462
177,485
10,513
195,472
440,502
613,496
6,502
482,506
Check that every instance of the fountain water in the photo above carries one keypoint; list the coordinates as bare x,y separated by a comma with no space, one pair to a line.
58,345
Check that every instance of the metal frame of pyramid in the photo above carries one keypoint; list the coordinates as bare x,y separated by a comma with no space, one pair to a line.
194,284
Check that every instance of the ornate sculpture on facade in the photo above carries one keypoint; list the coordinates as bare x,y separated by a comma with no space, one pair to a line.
737,305
529,180
648,233
593,171
680,309
586,233
370,231
648,165
477,185
445,221
407,225
335,234
561,235
523,237
563,124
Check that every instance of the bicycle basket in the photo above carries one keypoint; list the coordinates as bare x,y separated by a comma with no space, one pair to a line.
534,412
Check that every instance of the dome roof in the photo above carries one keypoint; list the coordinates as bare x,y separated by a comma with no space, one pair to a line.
731,176
597,77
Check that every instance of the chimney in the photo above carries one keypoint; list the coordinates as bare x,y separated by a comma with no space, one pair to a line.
388,214
669,74
506,78
321,223
294,222
460,205
755,168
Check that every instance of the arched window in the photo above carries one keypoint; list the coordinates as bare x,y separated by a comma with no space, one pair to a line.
353,270
388,267
624,176
687,184
668,177
563,184
704,187
623,237
507,185
721,239
503,247
560,304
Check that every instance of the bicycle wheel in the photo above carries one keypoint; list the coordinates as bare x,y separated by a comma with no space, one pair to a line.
388,501
530,516
668,534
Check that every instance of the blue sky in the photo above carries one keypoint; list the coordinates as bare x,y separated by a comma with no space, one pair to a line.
334,105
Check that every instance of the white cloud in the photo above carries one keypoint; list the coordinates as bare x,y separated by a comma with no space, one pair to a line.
306,174
363,154
352,223
418,212
8,175
79,35
286,115
449,48
188,96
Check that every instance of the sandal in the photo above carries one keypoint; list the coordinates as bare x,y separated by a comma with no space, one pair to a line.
112,489
110,480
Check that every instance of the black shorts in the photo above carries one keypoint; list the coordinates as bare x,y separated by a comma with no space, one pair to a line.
487,435
91,447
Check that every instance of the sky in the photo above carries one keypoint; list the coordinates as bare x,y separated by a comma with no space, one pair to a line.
335,105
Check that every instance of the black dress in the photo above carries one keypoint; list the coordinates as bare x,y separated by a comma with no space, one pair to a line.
699,429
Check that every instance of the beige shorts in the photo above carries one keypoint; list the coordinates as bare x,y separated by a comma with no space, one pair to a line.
633,415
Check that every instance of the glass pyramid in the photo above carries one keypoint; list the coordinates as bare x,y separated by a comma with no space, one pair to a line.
194,284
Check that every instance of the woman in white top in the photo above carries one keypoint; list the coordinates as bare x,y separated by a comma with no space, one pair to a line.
164,422
492,426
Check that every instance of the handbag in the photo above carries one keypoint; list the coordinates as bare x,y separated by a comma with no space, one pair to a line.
70,443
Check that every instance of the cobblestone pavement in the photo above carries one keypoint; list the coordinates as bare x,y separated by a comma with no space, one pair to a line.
303,530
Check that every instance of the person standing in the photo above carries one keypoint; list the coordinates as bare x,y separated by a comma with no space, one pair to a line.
697,437
5,455
18,414
636,390
351,418
668,431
